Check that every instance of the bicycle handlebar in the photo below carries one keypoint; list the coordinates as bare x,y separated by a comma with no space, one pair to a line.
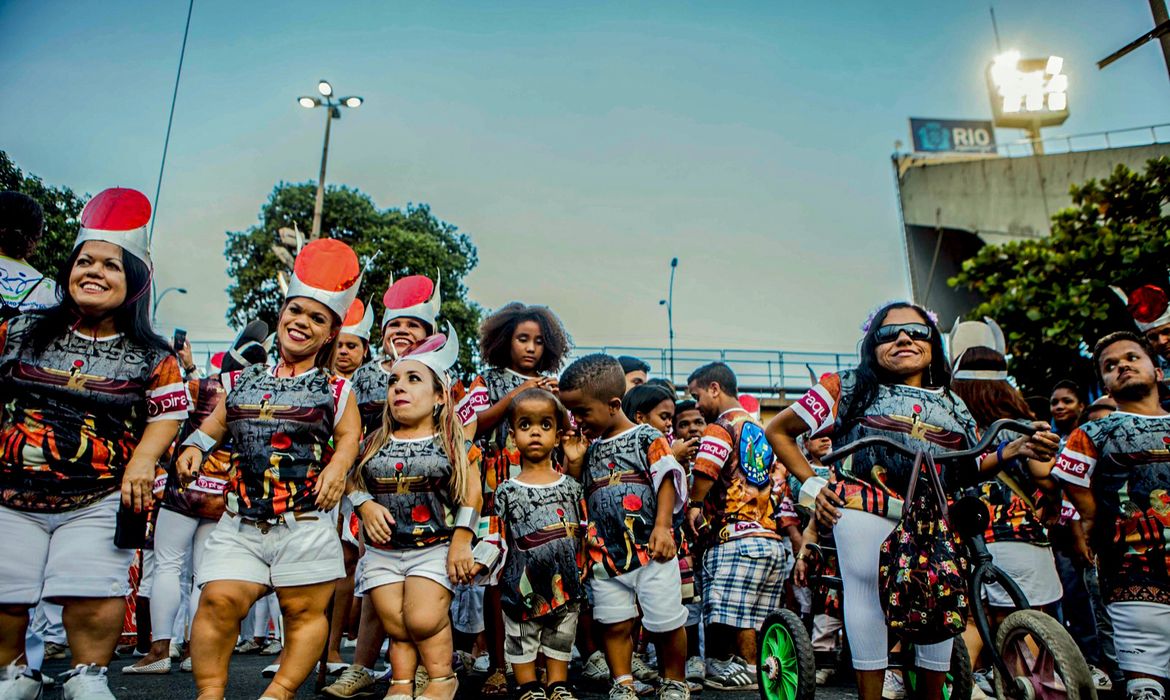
879,441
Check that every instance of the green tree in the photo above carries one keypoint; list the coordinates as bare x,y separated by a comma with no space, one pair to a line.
408,241
62,215
1051,295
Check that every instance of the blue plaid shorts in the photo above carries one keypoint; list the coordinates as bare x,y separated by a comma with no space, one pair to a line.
743,581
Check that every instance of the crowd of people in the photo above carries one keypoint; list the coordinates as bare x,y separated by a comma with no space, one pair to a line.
321,487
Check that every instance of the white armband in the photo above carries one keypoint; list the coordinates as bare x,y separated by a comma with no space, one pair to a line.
486,553
809,490
201,440
467,518
359,497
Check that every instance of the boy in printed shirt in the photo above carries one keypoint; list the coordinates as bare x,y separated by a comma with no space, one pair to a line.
1116,471
541,513
634,489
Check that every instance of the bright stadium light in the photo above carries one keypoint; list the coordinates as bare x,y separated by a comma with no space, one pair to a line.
325,88
308,102
352,102
1027,93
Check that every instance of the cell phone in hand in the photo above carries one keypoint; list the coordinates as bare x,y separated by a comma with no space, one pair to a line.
180,339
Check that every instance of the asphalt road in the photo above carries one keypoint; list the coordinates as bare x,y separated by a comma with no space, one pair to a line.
246,683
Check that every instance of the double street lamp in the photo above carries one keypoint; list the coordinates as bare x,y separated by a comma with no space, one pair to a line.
332,107
668,302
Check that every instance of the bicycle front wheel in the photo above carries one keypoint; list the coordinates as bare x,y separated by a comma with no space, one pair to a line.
1043,660
959,680
786,668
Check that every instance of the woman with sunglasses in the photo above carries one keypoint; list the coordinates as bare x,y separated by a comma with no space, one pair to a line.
898,390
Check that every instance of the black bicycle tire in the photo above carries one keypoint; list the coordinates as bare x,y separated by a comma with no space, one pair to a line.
1070,663
962,679
806,665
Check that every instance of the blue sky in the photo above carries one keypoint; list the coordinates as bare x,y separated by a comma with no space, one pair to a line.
581,145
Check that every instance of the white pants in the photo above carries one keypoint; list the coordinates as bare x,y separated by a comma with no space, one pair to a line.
1141,632
859,536
178,546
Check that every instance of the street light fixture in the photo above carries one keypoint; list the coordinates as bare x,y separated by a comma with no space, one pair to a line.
668,302
158,300
1028,93
332,112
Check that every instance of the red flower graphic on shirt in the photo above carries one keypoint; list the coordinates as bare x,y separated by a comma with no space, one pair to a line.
632,501
420,513
281,441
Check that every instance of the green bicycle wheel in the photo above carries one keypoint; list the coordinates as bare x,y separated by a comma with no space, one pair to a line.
959,679
786,668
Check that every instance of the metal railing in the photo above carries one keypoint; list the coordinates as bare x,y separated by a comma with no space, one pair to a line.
781,373
1114,138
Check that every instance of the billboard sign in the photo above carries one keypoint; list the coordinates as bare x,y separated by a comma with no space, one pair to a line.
952,135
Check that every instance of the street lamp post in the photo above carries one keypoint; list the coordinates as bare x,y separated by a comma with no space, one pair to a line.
158,300
332,107
668,302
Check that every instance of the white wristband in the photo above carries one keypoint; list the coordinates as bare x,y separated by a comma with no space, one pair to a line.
809,490
467,518
202,440
486,553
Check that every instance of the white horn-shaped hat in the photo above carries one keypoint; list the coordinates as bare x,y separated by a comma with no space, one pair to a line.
414,297
1147,305
439,352
974,334
120,216
326,270
360,320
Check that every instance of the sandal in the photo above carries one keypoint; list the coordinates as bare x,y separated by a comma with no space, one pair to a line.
443,679
391,695
496,685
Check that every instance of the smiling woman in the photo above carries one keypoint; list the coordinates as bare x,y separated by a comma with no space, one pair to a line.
95,397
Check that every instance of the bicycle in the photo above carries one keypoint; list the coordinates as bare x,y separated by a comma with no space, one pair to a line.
1032,654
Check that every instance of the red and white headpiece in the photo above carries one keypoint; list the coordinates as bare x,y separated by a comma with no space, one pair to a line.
414,297
1148,305
439,352
326,270
120,216
976,334
359,321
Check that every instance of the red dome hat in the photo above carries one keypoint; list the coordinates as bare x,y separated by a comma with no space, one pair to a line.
413,297
120,216
1148,304
326,270
359,321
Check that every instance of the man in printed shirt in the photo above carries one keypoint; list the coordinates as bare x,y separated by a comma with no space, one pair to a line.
745,562
1116,471
22,287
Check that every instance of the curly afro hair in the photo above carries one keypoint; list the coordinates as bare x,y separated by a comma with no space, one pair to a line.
495,336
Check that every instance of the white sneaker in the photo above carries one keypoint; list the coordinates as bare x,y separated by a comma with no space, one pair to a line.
483,664
596,669
696,669
1101,679
728,675
16,683
270,670
88,683
824,675
893,688
641,670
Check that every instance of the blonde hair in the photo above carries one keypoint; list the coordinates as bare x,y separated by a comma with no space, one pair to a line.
449,434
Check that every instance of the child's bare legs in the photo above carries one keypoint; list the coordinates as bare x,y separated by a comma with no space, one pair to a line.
557,671
672,653
619,649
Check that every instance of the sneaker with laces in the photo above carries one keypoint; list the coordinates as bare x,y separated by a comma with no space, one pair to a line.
1144,689
532,691
824,675
644,690
354,682
622,691
1100,679
87,683
893,688
596,669
674,690
20,683
272,648
728,675
248,646
642,671
55,651
560,691
696,669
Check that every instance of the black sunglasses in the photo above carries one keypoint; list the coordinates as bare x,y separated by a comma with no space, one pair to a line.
916,331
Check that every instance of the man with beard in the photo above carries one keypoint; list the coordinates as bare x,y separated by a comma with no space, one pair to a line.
1116,471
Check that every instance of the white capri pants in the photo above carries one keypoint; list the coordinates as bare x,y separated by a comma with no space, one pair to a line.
178,539
859,536
1142,634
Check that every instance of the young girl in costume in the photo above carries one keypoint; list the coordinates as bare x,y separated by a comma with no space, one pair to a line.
277,532
417,493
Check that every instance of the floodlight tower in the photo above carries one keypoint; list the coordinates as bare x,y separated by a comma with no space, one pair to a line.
1028,93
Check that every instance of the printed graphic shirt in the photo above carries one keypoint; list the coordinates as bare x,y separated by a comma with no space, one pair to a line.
74,414
206,496
501,459
22,287
371,382
1010,498
544,565
932,419
621,477
280,428
736,456
1124,459
412,479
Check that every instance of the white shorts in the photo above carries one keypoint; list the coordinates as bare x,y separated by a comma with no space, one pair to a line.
384,568
1031,566
62,555
655,586
146,577
302,554
1141,632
